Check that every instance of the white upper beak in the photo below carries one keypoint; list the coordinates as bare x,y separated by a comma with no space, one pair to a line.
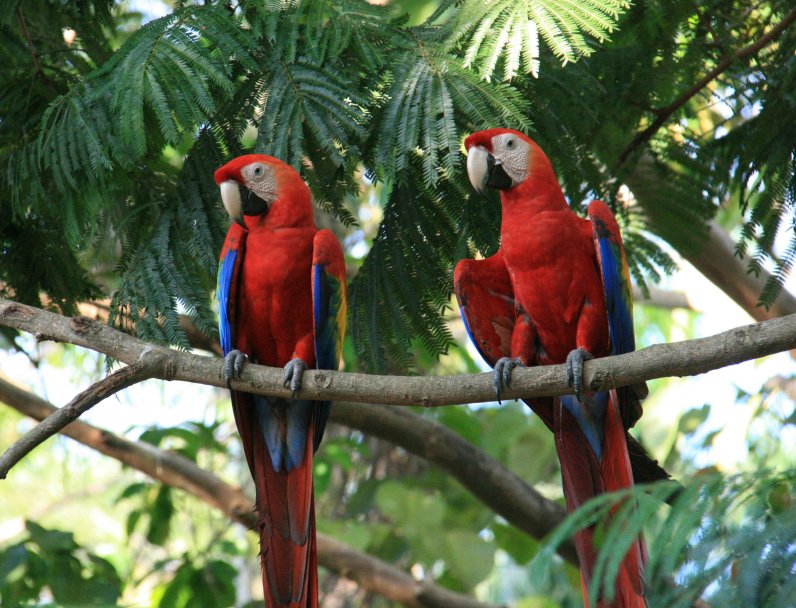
230,196
477,167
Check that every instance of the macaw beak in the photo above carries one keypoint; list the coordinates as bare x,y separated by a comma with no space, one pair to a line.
486,172
239,201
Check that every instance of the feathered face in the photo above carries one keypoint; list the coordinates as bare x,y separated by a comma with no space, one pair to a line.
498,159
248,186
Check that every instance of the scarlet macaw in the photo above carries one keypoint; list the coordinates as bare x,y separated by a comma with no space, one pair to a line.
558,291
282,301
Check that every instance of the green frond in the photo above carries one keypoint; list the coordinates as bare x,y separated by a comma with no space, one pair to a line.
164,67
726,539
408,272
427,98
319,97
331,28
507,31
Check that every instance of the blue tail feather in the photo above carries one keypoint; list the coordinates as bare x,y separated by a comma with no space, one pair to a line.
590,414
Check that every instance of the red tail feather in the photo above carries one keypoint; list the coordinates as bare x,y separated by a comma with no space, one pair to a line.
286,516
585,476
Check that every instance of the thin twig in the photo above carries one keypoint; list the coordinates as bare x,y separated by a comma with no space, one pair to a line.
34,53
663,114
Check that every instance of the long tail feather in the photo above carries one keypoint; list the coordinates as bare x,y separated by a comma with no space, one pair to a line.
586,474
285,507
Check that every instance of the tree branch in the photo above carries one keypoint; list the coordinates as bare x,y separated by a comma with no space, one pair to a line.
718,262
686,358
177,471
663,114
34,53
100,311
115,382
485,477
662,298
713,254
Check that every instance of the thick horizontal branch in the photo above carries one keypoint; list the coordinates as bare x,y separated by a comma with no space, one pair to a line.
686,358
100,310
179,472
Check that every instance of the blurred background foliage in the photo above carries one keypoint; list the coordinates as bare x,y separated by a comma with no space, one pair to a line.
113,117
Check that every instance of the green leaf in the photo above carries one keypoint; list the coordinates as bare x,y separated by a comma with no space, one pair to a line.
50,541
693,419
504,428
470,558
160,515
463,421
507,31
517,544
13,561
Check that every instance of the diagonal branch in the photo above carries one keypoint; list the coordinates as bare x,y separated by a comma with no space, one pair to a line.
663,114
485,477
690,357
713,254
177,471
143,369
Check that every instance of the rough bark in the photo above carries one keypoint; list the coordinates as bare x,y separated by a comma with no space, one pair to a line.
687,358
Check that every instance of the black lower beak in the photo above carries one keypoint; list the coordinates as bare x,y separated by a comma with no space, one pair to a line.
496,176
250,204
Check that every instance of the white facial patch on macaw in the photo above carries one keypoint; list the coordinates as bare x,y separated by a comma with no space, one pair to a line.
260,179
513,154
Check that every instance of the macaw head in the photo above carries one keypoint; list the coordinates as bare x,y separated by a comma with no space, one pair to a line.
265,190
503,159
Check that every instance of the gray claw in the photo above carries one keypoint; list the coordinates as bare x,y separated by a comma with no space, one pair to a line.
233,363
293,372
502,375
575,360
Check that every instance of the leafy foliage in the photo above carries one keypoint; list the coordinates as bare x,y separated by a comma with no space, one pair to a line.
125,132
108,146
52,559
509,30
728,539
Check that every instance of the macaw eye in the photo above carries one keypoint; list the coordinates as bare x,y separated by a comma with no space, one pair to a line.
510,143
258,171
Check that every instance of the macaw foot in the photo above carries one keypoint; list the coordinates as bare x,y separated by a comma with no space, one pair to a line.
502,376
233,363
293,372
575,360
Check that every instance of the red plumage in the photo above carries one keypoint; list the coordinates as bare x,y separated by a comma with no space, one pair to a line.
541,296
273,262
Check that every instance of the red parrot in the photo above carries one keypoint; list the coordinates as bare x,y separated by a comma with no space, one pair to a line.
282,302
558,291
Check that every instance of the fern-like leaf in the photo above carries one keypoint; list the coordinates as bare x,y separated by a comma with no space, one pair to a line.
508,31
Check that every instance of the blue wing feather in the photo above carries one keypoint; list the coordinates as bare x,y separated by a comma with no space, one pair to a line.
225,273
325,343
326,347
615,276
620,312
329,312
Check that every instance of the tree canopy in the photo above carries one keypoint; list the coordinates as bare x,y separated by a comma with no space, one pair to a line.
112,124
